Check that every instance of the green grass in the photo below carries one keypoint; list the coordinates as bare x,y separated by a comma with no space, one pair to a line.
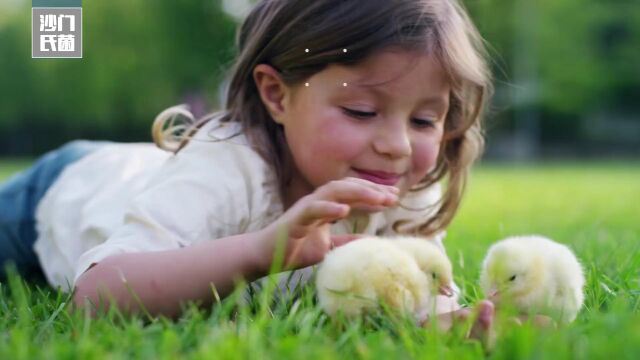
9,167
592,207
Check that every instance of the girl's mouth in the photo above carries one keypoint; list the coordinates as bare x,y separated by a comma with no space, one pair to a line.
378,177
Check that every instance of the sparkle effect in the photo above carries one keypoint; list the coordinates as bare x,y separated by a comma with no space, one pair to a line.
343,84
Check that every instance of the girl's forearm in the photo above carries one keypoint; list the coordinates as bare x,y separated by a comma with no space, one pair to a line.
162,280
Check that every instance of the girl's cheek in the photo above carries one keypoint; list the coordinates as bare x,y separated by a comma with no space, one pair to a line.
425,155
340,138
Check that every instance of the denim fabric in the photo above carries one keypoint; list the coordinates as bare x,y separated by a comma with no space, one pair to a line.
19,197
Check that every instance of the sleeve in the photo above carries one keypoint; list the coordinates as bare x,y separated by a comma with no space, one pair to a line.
209,190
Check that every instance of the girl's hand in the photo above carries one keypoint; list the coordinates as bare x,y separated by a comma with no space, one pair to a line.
307,222
483,317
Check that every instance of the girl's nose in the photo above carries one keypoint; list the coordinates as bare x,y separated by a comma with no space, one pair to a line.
393,141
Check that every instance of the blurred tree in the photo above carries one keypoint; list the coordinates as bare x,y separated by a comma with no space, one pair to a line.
586,61
138,59
583,47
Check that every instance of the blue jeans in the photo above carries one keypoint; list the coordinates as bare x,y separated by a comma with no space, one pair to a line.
19,197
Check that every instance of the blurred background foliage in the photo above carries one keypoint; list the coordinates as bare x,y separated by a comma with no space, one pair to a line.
567,73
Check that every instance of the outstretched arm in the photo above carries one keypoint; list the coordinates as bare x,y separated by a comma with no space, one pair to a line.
162,280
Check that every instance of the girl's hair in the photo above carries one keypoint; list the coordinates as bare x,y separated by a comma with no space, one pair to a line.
277,32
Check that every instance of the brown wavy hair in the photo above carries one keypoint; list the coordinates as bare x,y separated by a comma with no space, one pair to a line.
276,32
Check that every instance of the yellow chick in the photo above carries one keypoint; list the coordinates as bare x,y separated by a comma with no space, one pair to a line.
534,273
356,277
431,260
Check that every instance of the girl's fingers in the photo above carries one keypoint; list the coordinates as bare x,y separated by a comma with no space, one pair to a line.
350,192
324,211
445,320
339,240
391,189
368,208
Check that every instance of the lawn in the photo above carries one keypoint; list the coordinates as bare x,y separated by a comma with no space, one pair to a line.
591,207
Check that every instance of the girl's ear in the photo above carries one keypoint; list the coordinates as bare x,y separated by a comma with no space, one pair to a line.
273,91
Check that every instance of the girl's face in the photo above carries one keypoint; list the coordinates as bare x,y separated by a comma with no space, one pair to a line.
337,125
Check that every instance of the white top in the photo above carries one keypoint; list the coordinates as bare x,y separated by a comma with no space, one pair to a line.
127,198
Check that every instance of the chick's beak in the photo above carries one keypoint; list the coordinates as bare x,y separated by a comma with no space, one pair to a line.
493,293
445,290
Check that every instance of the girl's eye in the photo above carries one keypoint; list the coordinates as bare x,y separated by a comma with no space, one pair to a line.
422,123
512,278
358,114
418,123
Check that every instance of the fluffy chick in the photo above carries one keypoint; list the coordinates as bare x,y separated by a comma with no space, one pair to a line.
432,261
534,273
356,277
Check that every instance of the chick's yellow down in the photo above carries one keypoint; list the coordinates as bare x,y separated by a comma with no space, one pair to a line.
358,276
432,261
534,273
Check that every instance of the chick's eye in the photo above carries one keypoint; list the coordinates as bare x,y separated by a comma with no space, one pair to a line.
512,278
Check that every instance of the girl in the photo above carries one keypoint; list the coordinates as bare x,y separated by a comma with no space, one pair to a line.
340,115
